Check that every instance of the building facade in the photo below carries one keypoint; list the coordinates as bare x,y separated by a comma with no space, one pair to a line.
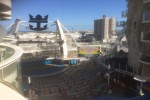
134,28
144,61
104,28
138,37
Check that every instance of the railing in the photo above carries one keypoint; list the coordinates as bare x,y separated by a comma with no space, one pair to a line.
145,37
118,68
124,72
145,49
124,14
121,23
145,59
9,66
146,17
134,72
13,55
6,52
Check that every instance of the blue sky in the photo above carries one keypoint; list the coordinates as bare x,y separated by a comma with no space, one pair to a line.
74,13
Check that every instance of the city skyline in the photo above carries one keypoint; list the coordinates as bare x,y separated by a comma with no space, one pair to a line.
73,14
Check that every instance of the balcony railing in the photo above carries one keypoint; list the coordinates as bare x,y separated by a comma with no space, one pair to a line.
146,1
145,49
145,59
9,65
146,17
145,37
124,14
121,23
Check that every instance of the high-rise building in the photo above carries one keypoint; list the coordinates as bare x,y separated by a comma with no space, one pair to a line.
104,28
144,61
138,37
112,26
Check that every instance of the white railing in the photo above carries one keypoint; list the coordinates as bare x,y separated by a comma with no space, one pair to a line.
14,57
9,71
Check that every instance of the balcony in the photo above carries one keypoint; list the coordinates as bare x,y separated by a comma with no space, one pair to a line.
145,60
145,49
9,65
146,1
145,37
124,14
146,17
121,23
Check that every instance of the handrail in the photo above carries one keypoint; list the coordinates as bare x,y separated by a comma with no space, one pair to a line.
124,72
146,16
17,54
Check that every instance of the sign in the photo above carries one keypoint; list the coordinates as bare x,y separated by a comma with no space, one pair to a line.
88,51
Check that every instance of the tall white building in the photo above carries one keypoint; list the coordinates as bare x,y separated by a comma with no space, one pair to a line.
104,28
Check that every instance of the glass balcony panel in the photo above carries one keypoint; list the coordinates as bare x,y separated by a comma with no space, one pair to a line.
145,59
121,23
10,72
8,52
146,17
124,14
145,37
146,49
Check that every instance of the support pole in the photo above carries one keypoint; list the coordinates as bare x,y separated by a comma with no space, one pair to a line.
141,86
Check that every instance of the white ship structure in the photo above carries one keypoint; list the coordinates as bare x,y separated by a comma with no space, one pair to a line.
50,41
